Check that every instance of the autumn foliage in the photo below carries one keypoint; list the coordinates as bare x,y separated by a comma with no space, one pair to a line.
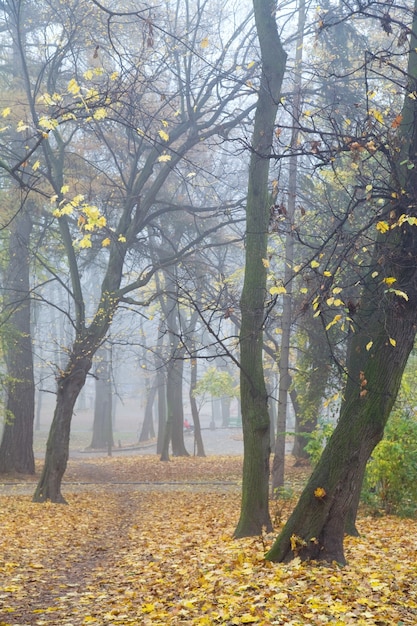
152,545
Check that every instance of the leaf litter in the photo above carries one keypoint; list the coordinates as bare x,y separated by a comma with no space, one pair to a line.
133,556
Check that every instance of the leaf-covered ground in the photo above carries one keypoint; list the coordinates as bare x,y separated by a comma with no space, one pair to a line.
141,555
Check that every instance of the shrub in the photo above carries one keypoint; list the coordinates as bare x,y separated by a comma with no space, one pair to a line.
390,481
317,440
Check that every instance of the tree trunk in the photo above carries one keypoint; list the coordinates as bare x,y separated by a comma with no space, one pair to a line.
194,410
385,329
102,423
313,370
176,406
278,464
254,515
16,449
147,431
162,412
316,528
57,447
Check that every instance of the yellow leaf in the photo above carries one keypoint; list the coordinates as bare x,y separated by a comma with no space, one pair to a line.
163,135
5,112
100,114
399,293
64,189
327,273
277,290
369,345
392,342
250,64
121,238
377,115
334,321
73,87
314,264
106,242
319,493
389,280
21,126
36,165
164,158
382,226
265,263
204,43
85,242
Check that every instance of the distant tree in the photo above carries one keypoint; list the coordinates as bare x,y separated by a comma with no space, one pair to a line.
103,415
16,448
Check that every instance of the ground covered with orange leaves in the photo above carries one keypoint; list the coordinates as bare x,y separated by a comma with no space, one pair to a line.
149,543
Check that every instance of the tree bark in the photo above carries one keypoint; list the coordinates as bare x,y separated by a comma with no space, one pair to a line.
254,514
176,406
102,423
385,329
57,447
16,449
147,431
194,410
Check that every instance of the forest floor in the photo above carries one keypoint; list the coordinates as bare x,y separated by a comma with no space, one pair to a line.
148,543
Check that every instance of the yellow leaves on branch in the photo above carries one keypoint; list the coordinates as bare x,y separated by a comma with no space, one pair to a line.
334,321
73,87
164,158
89,218
383,226
163,135
377,115
277,290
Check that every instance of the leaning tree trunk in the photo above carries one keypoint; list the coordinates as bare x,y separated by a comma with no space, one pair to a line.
254,515
16,449
316,528
386,325
57,447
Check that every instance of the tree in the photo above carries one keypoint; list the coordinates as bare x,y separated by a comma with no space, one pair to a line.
142,119
16,448
278,464
102,424
385,326
254,515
